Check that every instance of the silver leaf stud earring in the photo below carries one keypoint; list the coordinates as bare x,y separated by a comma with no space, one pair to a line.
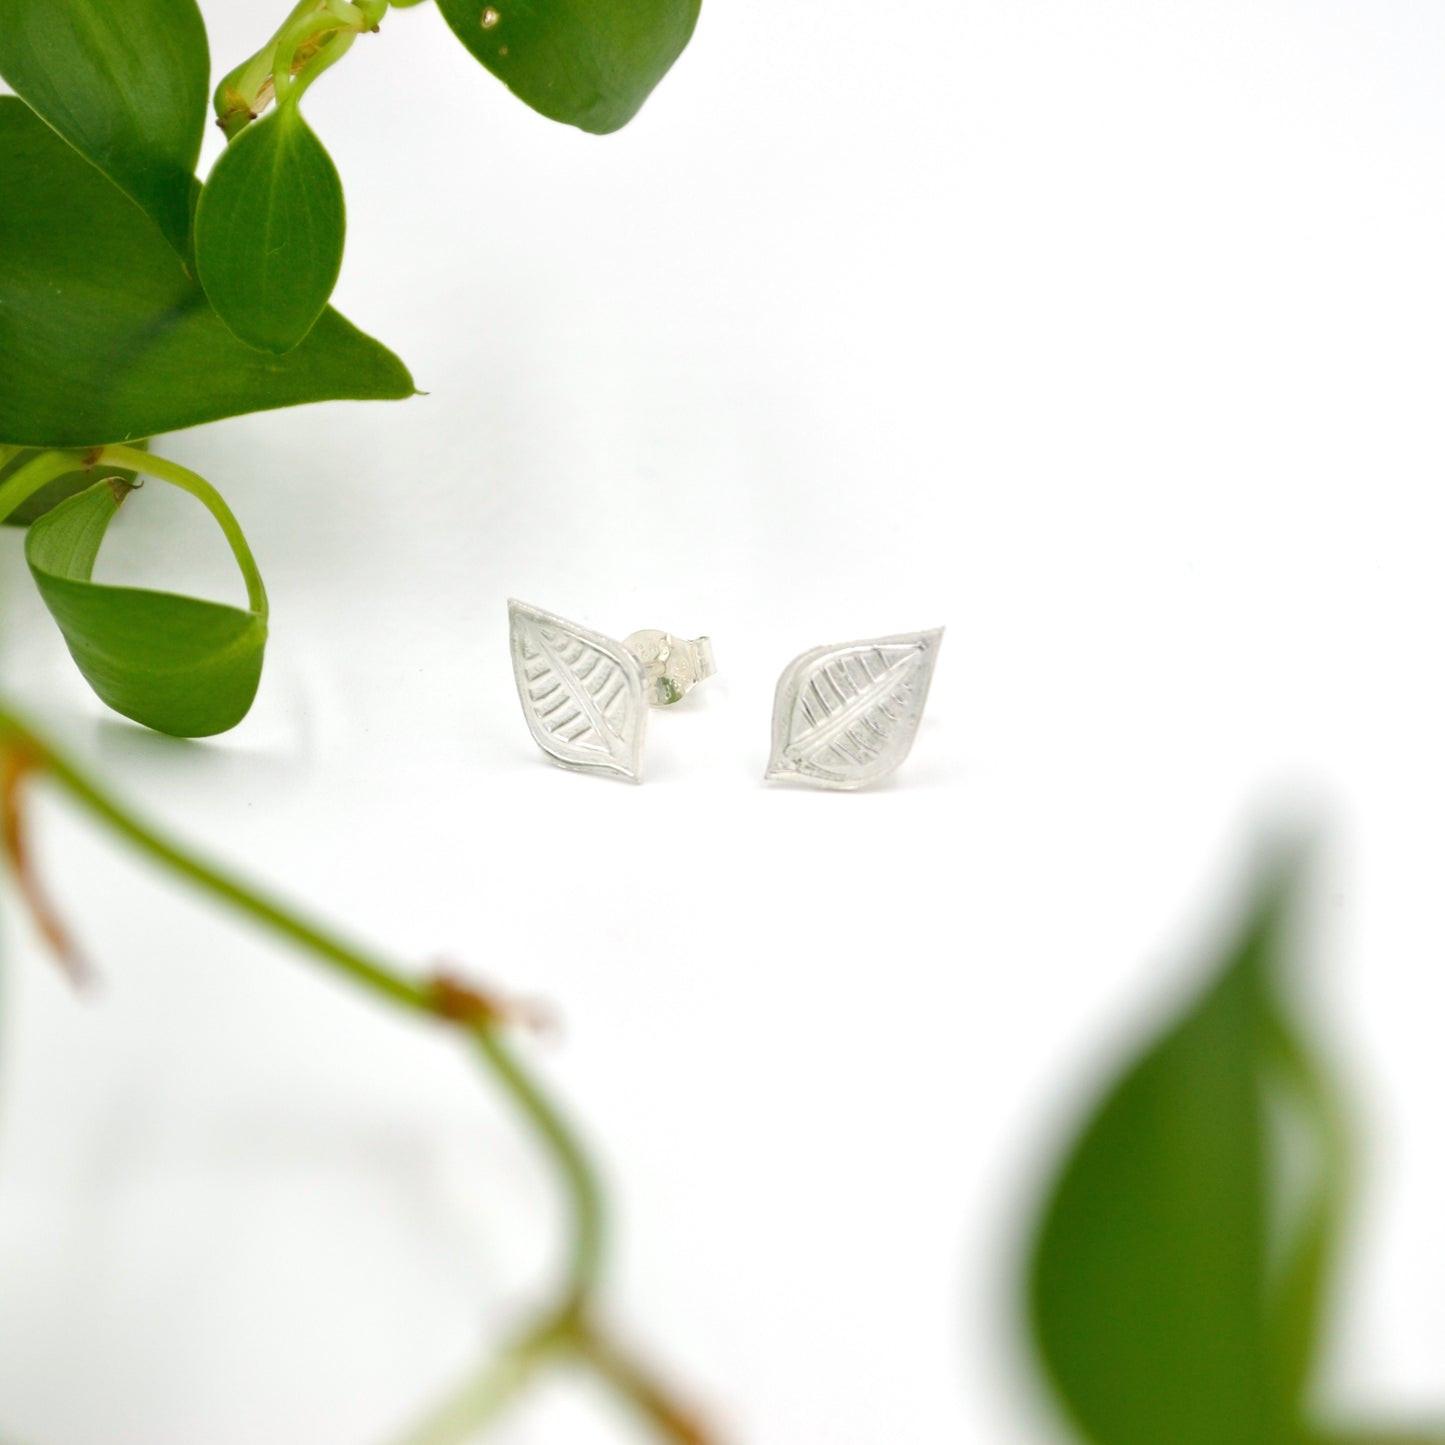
585,697
845,715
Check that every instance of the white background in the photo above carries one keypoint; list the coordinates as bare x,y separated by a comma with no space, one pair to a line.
1106,334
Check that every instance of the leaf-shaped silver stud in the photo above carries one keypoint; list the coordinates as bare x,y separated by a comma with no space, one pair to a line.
846,714
582,693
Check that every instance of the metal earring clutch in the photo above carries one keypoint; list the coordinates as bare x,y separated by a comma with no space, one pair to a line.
586,696
846,714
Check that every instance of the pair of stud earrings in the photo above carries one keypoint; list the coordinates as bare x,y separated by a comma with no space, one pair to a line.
845,715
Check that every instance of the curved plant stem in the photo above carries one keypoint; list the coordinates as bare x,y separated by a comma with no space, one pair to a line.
588,1221
314,36
568,1338
483,1397
305,49
326,56
209,497
360,967
639,1389
345,958
21,485
567,1328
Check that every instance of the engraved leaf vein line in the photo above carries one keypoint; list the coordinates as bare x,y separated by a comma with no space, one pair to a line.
578,690
838,722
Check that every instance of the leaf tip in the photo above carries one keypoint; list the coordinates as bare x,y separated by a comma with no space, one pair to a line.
121,487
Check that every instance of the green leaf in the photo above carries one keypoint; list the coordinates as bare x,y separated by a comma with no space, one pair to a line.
589,63
124,81
1175,1281
104,337
52,493
1302,1112
176,664
270,230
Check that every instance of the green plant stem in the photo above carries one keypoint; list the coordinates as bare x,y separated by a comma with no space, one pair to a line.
637,1388
324,59
328,26
484,1396
588,1219
367,971
41,470
209,497
38,472
566,1329
331,34
307,19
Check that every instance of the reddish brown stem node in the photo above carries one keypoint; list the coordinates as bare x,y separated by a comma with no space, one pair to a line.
456,999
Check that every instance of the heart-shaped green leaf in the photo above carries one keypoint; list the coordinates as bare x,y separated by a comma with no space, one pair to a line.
590,63
1175,1280
176,664
103,335
124,81
270,230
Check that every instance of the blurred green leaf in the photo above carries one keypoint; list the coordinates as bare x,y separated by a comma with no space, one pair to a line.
54,492
1176,1277
590,63
270,230
1305,1136
103,335
176,664
124,82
